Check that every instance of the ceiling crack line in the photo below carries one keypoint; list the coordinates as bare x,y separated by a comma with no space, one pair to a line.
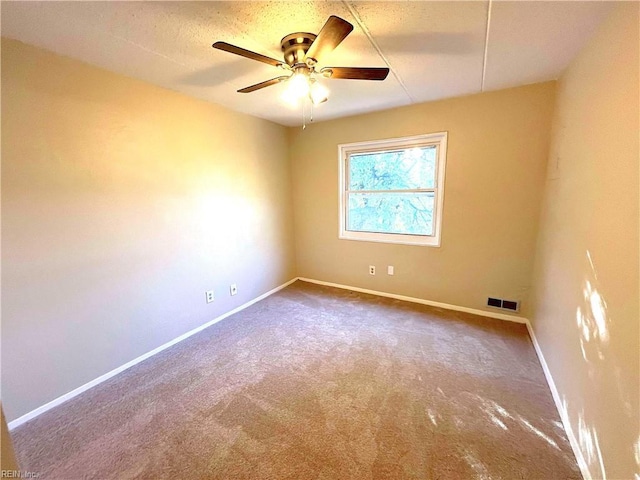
148,50
377,48
486,46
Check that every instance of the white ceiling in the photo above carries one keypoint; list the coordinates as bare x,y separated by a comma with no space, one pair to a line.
434,49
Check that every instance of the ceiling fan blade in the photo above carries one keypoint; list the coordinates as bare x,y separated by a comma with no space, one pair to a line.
334,31
355,73
227,47
260,85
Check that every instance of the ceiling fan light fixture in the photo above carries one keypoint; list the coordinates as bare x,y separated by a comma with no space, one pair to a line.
298,85
318,93
294,90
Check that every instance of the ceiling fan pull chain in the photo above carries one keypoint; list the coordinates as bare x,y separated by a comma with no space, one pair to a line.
304,123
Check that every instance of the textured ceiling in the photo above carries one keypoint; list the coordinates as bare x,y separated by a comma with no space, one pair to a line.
434,49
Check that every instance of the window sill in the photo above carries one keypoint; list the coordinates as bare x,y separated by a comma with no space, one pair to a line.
393,238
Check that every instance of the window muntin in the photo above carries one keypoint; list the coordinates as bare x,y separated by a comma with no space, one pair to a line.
392,190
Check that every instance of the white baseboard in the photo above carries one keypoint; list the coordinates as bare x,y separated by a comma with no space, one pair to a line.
575,445
67,396
447,306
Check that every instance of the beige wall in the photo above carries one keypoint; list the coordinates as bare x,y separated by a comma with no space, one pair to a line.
497,149
586,303
121,204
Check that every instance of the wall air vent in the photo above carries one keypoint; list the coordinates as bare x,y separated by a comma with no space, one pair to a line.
494,302
512,305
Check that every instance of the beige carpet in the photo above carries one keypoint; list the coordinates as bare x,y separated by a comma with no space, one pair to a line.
317,383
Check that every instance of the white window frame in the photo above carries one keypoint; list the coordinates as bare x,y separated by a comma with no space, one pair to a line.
439,140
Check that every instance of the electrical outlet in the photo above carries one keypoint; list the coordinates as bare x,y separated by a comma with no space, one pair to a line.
233,289
209,296
372,270
390,270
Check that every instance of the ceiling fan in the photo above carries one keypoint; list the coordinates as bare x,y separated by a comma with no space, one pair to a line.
302,51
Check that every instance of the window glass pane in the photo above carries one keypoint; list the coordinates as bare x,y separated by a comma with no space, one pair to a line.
403,213
393,170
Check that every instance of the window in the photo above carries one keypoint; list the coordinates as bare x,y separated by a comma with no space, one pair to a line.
392,190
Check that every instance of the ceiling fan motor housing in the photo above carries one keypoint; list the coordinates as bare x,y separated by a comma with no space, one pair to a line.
295,46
